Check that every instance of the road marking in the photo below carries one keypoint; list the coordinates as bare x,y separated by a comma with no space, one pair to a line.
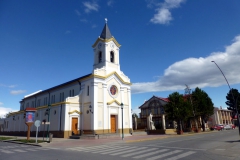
181,155
122,149
31,150
220,149
115,147
164,155
151,153
183,148
6,151
131,150
131,154
19,150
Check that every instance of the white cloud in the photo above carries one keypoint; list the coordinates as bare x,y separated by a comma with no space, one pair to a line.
197,72
16,92
90,6
67,32
94,26
4,111
8,86
110,3
77,12
163,15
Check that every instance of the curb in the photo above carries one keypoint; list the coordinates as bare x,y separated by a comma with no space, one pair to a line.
13,141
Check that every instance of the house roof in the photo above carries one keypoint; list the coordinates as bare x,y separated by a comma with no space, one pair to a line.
160,98
63,84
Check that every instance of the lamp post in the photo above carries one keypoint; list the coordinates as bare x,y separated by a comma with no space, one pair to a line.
235,102
48,112
122,121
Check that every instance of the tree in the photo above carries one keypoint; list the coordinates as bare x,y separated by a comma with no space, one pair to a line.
203,105
134,115
178,109
230,101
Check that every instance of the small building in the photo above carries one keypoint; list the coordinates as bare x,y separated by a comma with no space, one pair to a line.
155,106
221,116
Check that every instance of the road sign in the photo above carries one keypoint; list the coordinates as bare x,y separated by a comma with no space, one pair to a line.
46,123
37,123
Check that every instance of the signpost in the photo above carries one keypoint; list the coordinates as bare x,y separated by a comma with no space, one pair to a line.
30,115
37,124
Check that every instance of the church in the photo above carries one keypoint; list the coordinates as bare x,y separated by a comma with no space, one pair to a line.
96,103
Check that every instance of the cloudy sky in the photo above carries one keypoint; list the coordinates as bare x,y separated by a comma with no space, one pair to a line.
165,45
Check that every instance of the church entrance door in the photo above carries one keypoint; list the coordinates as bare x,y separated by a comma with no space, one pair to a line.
75,125
113,124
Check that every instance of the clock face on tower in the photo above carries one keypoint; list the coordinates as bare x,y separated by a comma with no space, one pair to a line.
113,90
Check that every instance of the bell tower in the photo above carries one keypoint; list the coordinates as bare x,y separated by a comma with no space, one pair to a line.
106,52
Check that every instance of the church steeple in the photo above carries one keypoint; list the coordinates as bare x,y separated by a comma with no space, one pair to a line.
106,34
106,51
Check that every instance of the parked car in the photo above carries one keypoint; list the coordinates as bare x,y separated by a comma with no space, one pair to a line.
213,127
233,126
220,127
227,127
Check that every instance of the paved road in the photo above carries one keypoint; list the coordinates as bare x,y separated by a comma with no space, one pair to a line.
222,145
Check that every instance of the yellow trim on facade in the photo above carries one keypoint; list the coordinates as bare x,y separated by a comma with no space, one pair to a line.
42,107
107,40
114,100
110,74
75,111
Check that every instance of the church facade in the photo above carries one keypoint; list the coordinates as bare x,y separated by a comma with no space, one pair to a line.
91,104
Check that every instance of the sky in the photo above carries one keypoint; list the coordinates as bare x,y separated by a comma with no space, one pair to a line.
165,45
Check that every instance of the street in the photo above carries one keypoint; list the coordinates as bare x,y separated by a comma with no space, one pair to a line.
219,145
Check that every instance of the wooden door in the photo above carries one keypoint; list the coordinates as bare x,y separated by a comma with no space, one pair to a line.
113,124
75,125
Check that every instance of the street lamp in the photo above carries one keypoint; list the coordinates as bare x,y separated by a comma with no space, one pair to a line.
48,113
235,102
122,121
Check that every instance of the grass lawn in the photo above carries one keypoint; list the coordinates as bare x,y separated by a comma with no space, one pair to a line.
29,141
6,138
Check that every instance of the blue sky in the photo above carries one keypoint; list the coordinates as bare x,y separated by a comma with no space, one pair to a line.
165,45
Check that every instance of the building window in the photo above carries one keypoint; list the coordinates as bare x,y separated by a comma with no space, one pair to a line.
73,92
100,57
61,96
38,102
155,110
32,104
112,57
87,90
45,101
53,99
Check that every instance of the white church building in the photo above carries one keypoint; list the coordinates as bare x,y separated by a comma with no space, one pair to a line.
90,104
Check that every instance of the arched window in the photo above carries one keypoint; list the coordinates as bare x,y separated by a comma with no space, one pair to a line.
112,57
100,57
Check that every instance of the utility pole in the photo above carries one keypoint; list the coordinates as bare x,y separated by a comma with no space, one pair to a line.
188,92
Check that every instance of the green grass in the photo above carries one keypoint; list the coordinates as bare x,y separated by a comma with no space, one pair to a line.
6,138
29,141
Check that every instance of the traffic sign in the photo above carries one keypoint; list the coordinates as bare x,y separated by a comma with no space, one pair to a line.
37,123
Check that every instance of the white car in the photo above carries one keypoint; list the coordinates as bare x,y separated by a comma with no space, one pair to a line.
227,127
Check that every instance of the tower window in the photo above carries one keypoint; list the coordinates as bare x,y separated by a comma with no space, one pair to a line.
112,56
100,57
